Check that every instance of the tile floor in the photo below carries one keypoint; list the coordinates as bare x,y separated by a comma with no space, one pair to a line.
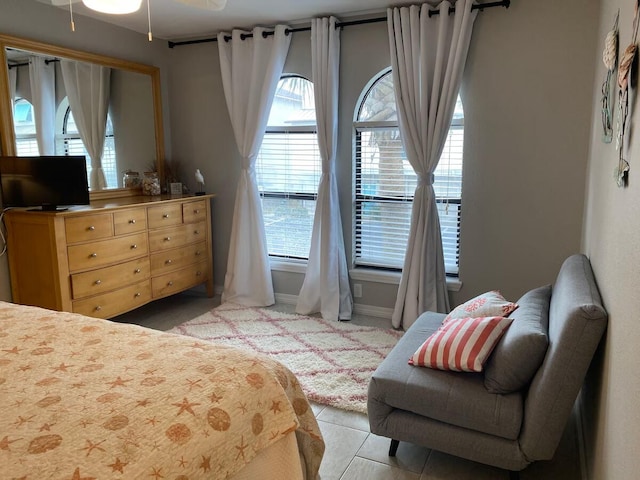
352,452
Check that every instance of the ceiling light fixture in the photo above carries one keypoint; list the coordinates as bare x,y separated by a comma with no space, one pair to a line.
117,7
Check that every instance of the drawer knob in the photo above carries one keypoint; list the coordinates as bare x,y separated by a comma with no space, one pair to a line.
137,270
196,211
167,239
98,308
98,282
198,273
166,215
134,246
91,228
198,253
137,294
132,221
169,262
93,255
170,284
196,232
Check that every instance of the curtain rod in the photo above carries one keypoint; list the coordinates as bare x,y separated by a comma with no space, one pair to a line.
479,6
24,64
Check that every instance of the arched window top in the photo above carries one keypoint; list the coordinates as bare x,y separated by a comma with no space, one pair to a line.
23,118
66,124
379,102
293,103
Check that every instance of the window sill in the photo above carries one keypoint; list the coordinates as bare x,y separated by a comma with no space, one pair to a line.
362,274
454,284
291,266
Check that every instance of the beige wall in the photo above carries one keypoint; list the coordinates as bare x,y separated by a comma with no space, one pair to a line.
531,102
527,99
611,239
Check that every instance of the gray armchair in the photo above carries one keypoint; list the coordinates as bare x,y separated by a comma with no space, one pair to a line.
455,413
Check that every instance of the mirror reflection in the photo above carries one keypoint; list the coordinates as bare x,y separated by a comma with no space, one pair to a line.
66,106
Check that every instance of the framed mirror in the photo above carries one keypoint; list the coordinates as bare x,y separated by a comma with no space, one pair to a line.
134,137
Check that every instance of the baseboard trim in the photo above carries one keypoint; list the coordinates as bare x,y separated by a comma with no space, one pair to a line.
358,308
372,311
286,298
580,433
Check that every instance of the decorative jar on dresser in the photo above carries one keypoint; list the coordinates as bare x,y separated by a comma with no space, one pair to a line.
112,256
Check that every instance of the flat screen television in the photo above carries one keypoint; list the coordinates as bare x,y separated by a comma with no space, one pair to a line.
44,182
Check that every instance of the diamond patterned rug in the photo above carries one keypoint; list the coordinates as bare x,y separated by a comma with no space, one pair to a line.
333,361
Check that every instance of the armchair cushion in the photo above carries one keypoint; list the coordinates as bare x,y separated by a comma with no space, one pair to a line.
521,350
457,398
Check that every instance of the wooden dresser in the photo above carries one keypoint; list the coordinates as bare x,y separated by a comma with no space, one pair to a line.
112,256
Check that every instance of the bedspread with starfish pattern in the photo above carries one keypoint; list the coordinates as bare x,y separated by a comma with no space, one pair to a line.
85,398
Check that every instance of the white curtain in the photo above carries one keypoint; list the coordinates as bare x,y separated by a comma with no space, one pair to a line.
13,84
42,78
326,283
251,68
428,55
88,86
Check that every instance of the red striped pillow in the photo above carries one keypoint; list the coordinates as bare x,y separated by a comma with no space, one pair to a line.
461,345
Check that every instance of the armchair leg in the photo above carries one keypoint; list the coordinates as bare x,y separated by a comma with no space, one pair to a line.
393,448
513,475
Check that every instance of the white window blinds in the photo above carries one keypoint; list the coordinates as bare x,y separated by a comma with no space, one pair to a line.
385,184
288,169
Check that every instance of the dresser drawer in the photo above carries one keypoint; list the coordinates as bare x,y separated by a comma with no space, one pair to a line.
179,280
112,303
130,221
167,238
104,279
194,211
88,227
177,258
164,215
107,252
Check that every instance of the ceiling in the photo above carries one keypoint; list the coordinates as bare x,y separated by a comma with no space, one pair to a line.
174,20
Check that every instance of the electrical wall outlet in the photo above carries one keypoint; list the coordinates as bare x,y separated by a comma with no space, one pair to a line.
357,290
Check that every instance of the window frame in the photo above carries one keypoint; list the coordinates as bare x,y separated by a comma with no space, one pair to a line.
360,199
63,138
26,139
287,262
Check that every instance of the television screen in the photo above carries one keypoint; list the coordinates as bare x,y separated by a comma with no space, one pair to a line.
47,182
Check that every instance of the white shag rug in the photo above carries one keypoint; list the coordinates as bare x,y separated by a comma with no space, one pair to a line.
332,360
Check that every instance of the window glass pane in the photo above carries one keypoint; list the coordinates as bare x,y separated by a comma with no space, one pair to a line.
293,103
381,239
289,162
288,169
25,128
288,223
23,120
384,168
379,104
385,184
70,143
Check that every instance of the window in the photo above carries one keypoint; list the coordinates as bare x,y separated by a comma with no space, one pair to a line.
288,169
25,128
385,183
68,142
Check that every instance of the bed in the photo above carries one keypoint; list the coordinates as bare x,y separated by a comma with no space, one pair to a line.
84,398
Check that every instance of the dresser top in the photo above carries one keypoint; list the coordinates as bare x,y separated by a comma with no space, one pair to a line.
114,203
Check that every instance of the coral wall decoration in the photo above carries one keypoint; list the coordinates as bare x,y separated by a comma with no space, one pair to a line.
626,62
610,59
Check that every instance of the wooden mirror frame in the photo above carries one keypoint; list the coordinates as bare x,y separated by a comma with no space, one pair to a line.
7,132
